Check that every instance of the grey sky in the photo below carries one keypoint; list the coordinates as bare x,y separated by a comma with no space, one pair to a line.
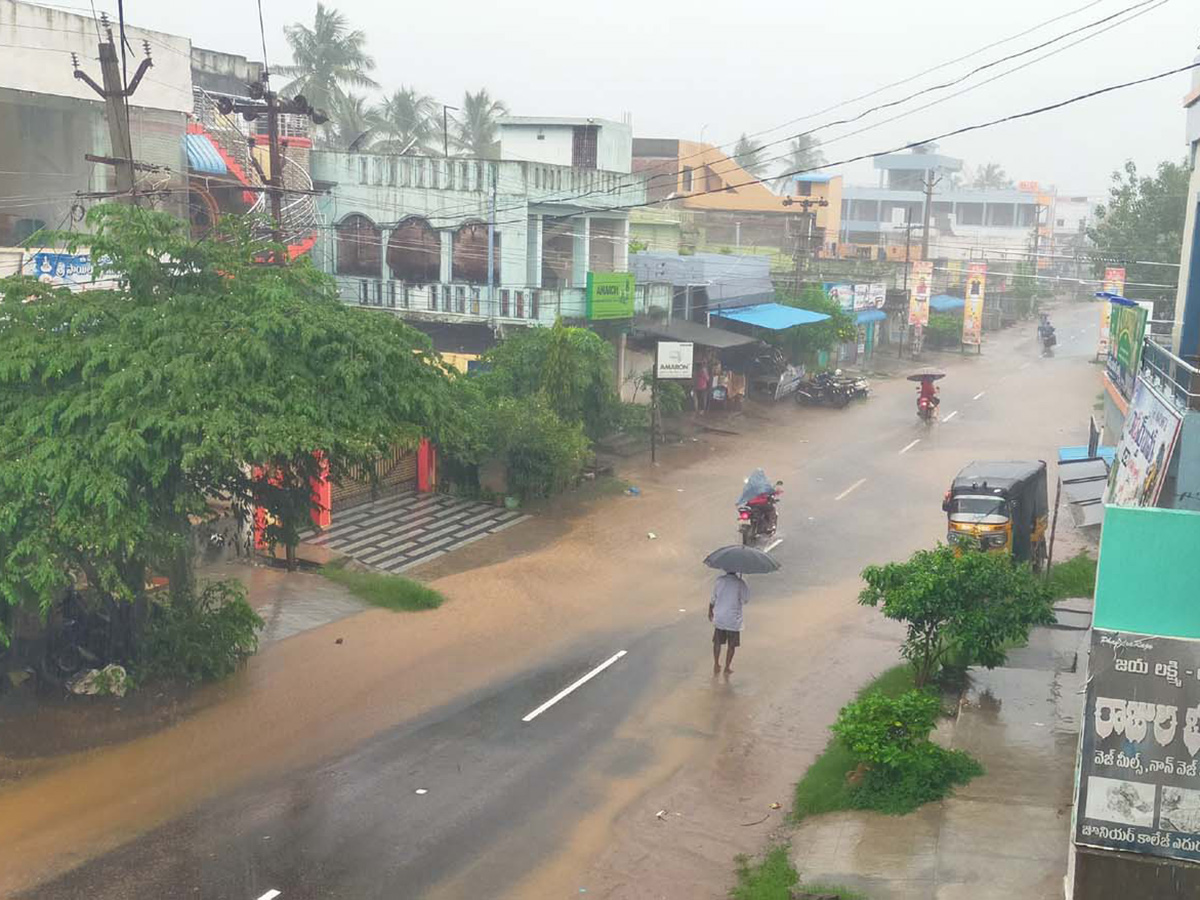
686,69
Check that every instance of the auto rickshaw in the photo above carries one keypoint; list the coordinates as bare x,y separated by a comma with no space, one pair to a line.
1000,507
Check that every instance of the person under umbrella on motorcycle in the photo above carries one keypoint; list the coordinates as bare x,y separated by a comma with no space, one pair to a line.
928,391
760,493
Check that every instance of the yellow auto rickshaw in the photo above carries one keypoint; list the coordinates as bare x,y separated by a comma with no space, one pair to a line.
1000,507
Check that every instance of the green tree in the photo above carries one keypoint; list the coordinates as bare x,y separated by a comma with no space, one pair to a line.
477,131
749,156
327,59
991,176
968,605
801,343
803,155
405,122
1142,224
351,123
125,409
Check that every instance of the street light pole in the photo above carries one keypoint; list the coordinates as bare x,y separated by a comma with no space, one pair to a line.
446,129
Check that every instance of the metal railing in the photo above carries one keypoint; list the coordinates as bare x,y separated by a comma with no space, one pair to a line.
1176,379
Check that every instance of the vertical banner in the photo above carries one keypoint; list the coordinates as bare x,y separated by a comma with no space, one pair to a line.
920,282
1114,283
1126,336
972,331
1144,452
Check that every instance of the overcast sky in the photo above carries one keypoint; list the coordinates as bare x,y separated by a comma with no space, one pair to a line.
691,69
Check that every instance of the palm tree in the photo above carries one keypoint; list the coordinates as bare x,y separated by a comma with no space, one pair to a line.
477,123
326,59
803,154
352,122
405,122
749,156
989,176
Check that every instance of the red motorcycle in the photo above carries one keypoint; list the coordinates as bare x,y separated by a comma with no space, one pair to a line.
927,399
758,517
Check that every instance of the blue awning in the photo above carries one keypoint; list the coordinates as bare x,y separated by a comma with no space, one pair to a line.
945,303
202,156
774,316
871,315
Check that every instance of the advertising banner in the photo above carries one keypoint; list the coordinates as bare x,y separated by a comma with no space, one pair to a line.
609,295
674,359
869,296
59,268
1114,281
1144,451
972,331
843,295
920,284
1105,327
1126,334
1139,778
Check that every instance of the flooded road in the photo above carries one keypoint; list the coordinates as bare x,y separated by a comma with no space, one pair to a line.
398,764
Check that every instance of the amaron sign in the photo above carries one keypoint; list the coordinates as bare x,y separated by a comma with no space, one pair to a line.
674,359
610,295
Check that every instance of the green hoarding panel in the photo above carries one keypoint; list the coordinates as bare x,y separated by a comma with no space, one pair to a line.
609,295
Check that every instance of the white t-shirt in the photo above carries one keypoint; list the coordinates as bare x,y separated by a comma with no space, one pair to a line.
729,595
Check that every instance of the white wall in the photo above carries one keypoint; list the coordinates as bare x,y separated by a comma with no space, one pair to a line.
28,31
615,150
520,142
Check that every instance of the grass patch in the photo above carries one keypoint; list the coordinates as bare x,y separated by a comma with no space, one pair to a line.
1075,577
381,589
823,788
774,878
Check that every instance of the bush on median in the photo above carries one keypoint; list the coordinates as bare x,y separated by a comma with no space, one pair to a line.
199,637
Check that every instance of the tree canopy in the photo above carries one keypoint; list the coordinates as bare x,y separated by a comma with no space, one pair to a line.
803,154
801,342
1142,224
991,176
125,408
327,59
404,122
751,156
476,126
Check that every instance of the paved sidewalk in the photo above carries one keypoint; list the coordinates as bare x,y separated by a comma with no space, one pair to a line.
408,529
1005,834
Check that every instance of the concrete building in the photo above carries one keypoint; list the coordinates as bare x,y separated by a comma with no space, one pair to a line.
410,233
725,206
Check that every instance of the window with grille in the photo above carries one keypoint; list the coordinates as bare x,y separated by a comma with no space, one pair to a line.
504,305
392,294
474,301
460,299
379,293
433,292
534,299
363,295
445,298
583,146
520,297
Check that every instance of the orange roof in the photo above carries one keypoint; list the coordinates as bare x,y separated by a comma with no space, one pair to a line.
742,192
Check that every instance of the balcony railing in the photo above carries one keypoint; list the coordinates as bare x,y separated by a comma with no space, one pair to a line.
1175,379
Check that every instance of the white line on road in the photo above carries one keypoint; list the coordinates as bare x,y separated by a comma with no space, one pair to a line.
270,895
910,446
951,416
578,684
851,489
775,543
980,394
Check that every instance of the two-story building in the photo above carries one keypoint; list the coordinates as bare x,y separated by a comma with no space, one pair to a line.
414,234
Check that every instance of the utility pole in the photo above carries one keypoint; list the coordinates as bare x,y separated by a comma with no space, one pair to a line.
907,257
446,129
807,205
116,94
491,254
930,183
265,102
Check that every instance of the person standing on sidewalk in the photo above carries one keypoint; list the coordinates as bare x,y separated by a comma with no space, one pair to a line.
700,388
730,594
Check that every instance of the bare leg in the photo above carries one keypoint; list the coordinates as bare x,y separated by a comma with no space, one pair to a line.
716,658
729,659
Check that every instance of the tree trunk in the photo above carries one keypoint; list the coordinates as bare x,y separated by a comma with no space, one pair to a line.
292,563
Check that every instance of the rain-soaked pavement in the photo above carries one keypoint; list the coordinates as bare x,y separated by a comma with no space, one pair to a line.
397,763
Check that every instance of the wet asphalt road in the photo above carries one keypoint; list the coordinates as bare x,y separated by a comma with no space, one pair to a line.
862,485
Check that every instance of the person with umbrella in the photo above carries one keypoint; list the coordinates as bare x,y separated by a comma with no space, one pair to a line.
730,594
927,394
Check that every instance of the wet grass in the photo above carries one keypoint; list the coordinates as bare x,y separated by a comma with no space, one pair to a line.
1075,577
774,878
380,589
823,788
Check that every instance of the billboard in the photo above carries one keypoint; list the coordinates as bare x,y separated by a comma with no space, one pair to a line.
610,295
1139,777
60,268
1144,451
972,331
1114,281
870,296
843,295
920,284
1126,334
673,359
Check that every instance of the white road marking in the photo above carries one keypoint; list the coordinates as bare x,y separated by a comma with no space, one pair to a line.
980,394
573,687
775,543
851,489
421,791
270,895
951,416
910,446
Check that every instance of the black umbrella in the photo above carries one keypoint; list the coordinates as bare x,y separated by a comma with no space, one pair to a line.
927,372
743,559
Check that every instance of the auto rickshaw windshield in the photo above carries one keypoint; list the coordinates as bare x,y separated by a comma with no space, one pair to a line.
978,508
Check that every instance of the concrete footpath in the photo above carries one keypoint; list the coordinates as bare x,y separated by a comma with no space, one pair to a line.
1005,834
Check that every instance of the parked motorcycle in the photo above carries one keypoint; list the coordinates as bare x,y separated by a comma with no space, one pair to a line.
758,516
824,389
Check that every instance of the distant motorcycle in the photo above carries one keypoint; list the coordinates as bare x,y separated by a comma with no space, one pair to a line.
1048,342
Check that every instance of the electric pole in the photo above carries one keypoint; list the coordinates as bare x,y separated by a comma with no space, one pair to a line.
907,258
446,129
116,94
930,183
265,102
491,254
807,205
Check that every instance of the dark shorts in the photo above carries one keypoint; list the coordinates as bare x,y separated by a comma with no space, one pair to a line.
732,638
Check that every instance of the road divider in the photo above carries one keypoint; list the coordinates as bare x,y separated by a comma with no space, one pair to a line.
908,447
851,489
571,688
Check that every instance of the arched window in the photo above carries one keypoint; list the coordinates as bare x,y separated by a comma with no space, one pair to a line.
414,252
471,252
359,247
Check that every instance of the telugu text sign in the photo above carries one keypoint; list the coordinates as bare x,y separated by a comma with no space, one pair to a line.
1139,776
1144,450
674,359
972,331
921,283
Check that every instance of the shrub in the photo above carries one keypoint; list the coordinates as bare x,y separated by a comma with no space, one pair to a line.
543,453
381,589
1074,577
928,775
202,637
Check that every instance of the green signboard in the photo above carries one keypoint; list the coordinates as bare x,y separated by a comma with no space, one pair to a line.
609,295
1127,331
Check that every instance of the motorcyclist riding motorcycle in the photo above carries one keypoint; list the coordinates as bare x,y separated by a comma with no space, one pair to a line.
757,515
928,400
1047,336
